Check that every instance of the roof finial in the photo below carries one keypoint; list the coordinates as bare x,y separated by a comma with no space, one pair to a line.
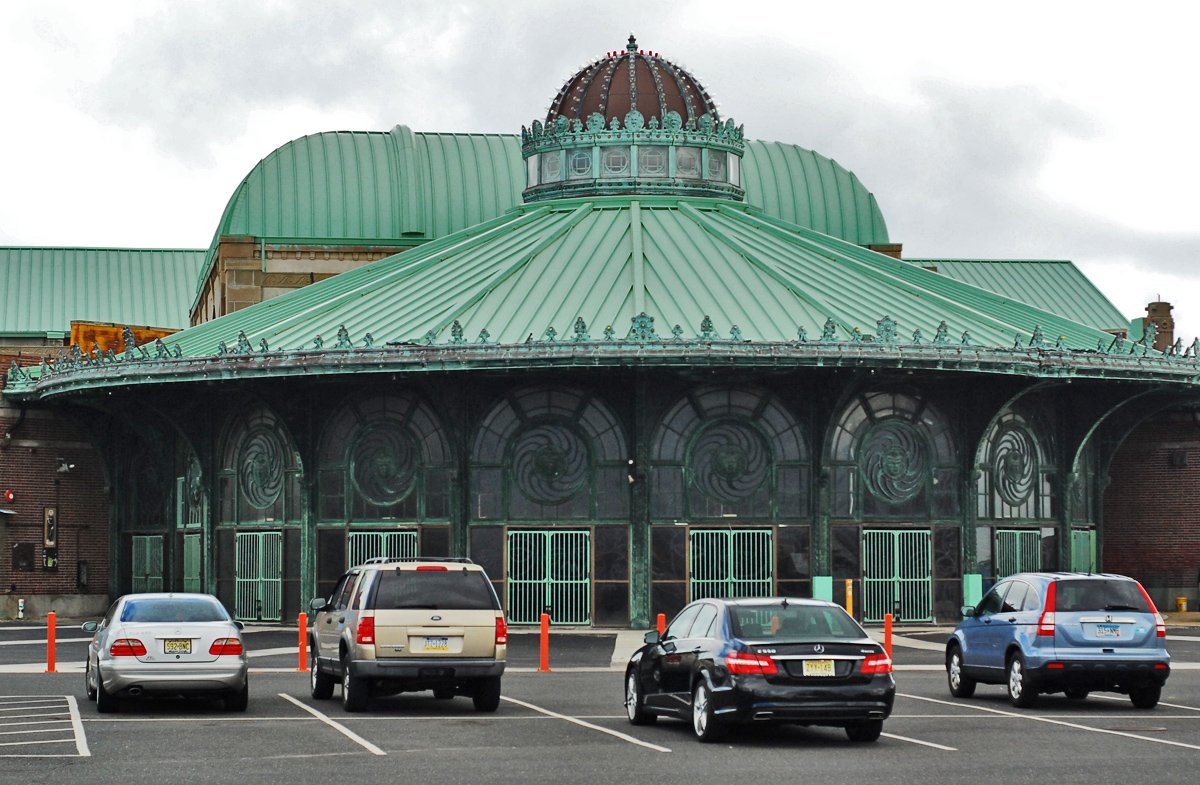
632,47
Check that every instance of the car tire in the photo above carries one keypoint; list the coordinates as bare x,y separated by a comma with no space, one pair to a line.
635,702
1021,692
487,694
1075,693
1145,697
865,731
320,685
705,724
961,685
106,702
239,700
88,689
444,694
355,692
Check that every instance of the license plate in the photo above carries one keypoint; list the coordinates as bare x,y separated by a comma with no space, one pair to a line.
818,667
177,646
437,644
1108,631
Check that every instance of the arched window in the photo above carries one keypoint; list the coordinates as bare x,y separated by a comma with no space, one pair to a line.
893,456
1017,473
724,452
384,458
259,475
549,453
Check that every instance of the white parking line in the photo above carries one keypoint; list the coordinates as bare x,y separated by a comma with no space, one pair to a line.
342,729
577,721
81,745
1160,703
918,741
42,642
1055,722
41,710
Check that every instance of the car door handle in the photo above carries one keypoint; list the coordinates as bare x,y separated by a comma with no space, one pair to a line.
696,650
342,620
1012,619
987,620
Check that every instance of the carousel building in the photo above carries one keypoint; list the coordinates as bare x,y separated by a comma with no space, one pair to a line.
625,360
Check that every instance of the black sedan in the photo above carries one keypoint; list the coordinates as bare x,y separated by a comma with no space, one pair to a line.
780,660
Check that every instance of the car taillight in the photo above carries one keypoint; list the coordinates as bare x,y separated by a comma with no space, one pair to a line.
1046,621
225,646
743,662
366,630
501,631
877,664
127,647
431,567
1160,626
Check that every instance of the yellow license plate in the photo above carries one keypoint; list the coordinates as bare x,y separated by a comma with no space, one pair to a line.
177,646
437,644
818,668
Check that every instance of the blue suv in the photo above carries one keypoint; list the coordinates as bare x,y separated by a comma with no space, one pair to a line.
1046,632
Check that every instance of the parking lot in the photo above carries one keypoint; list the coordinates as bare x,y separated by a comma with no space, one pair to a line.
568,726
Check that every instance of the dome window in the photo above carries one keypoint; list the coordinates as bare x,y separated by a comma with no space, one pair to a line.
531,171
615,161
687,162
552,167
652,161
580,164
716,165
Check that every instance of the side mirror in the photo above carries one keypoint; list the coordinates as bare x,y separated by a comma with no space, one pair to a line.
651,637
317,603
239,625
968,611
89,626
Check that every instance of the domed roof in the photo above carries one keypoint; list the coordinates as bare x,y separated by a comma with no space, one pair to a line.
620,82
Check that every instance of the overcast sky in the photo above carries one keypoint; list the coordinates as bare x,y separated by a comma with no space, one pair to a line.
1015,130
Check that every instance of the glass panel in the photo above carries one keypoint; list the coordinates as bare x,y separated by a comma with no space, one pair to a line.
687,162
612,553
614,162
652,161
552,167
717,166
579,164
485,494
487,549
612,604
793,552
667,598
531,171
666,497
668,554
735,170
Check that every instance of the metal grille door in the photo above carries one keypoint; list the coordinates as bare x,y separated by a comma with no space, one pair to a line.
191,562
549,568
259,563
371,545
1083,550
147,564
898,574
1018,550
727,563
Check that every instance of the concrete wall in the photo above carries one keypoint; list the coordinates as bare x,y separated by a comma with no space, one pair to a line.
65,606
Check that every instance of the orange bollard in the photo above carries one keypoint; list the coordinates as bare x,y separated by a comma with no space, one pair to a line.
850,597
545,666
303,643
662,623
887,634
51,638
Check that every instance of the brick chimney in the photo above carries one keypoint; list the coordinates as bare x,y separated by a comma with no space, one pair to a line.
1160,314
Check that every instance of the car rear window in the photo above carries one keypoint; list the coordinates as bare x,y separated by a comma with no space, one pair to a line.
793,623
173,610
452,589
1099,595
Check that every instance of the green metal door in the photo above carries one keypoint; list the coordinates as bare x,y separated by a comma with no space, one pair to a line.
259,568
549,568
191,562
1083,550
372,545
898,574
147,564
730,563
1018,550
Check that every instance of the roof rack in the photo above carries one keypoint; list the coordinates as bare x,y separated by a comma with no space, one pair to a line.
393,559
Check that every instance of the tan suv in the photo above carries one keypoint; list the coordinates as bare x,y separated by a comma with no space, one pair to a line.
405,625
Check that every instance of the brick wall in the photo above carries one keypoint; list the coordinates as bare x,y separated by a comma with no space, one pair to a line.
28,466
1152,508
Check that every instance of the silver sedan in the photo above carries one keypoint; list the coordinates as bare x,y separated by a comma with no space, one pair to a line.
166,644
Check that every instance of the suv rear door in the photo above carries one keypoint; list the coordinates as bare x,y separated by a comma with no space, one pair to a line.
434,611
1093,614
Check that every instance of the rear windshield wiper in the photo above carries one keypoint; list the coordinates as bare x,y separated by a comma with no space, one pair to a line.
1121,608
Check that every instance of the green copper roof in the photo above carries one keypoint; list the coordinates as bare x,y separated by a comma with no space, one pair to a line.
1057,286
606,260
42,290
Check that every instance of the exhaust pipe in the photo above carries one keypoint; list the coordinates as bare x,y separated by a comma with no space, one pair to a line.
135,691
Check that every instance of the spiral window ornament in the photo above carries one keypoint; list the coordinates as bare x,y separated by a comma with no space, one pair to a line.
194,482
894,462
383,464
1014,465
549,463
262,467
730,461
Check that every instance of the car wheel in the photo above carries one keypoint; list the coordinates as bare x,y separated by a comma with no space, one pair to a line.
106,703
320,685
355,692
1021,692
444,694
865,731
1075,693
704,722
1145,697
487,694
635,702
239,700
89,687
961,685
